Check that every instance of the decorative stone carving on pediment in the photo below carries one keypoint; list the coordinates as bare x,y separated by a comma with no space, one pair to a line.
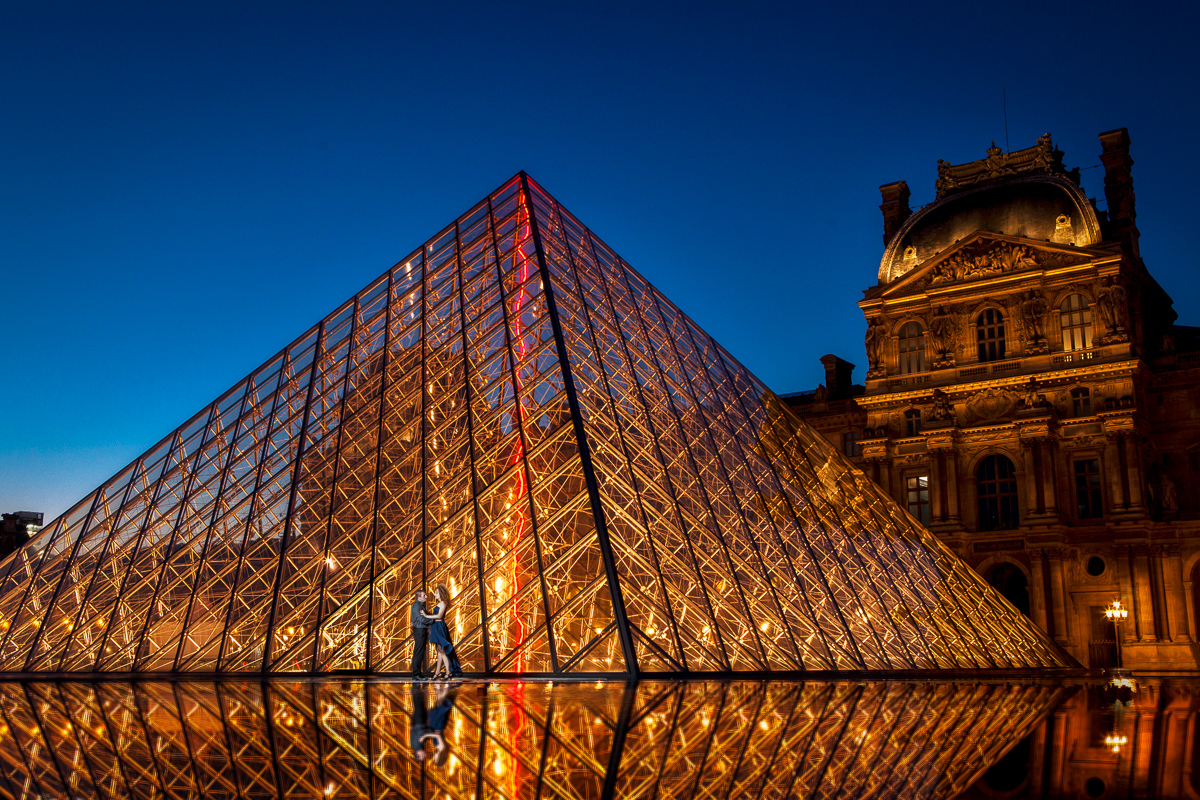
990,404
983,259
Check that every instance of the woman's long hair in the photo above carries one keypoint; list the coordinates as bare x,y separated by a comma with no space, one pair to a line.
443,595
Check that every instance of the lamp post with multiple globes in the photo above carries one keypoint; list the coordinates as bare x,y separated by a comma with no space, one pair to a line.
1116,614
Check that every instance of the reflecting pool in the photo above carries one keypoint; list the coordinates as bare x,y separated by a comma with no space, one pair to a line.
655,739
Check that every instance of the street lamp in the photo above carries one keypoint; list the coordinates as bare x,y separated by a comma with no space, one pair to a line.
1116,614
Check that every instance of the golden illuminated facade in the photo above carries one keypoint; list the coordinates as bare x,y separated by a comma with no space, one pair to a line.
1030,399
512,412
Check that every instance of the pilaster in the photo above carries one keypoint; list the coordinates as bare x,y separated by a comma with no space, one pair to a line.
1172,566
1058,596
1037,591
1144,605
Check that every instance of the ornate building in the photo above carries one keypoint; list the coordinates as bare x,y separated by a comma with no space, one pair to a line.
1031,401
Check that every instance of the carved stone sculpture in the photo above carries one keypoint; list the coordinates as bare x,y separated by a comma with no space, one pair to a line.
1170,501
942,335
1033,307
983,260
1032,398
1112,307
875,338
942,410
991,403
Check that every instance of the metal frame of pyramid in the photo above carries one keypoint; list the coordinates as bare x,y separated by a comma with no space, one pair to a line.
515,413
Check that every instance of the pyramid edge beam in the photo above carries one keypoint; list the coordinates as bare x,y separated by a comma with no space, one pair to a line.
610,566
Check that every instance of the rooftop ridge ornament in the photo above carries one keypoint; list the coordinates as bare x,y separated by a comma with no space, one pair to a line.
1042,158
513,413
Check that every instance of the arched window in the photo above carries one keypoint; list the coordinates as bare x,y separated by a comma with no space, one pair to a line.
912,348
996,488
1076,320
1081,401
989,334
850,443
912,422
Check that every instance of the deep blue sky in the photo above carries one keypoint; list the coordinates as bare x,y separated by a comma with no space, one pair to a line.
188,186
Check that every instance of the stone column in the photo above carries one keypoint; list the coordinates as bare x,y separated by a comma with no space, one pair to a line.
1126,630
936,513
1037,591
1112,468
1030,475
1144,607
1177,621
1133,463
1058,596
952,485
885,476
1049,496
1189,603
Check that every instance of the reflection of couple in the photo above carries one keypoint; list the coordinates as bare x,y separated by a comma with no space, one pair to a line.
431,626
429,723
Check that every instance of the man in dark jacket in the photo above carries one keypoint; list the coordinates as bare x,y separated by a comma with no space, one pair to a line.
420,633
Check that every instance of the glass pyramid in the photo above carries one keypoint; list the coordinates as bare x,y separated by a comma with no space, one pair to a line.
514,413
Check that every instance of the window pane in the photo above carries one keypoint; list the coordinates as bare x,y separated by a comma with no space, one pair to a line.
917,487
1076,319
996,489
912,348
1088,496
989,335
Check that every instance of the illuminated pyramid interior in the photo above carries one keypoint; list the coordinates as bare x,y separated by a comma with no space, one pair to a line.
514,413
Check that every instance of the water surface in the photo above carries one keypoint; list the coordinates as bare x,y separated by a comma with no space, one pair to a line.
655,739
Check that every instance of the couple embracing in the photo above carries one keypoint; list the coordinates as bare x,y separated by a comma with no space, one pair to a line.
431,626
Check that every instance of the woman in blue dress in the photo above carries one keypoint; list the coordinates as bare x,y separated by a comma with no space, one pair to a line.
439,635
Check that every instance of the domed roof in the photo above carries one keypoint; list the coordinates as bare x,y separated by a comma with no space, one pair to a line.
1043,206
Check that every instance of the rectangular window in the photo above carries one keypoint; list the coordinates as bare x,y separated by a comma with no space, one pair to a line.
850,444
1089,499
918,497
912,423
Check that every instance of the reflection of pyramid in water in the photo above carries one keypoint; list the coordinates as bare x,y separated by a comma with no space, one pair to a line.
870,740
515,413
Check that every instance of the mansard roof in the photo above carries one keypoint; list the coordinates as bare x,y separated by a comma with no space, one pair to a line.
1026,194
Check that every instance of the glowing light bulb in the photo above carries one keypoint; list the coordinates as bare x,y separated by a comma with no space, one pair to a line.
500,584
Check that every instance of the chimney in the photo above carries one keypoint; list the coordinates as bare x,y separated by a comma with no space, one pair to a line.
894,207
837,375
1118,189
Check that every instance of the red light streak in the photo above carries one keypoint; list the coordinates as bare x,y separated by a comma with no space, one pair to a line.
521,506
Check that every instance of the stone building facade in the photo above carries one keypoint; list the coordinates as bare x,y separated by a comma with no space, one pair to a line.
1030,398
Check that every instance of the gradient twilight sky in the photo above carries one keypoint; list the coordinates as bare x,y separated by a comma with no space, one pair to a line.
189,186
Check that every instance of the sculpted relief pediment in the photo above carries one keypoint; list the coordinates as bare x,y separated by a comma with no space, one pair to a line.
985,257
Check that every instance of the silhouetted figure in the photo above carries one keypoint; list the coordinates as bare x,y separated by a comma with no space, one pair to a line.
420,632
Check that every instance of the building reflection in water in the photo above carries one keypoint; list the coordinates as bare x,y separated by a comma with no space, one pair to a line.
1106,741
191,739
